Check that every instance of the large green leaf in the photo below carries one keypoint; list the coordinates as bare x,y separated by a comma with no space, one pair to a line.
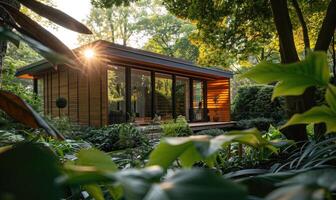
314,184
29,171
97,159
319,114
135,183
47,53
202,148
293,79
196,184
18,109
56,16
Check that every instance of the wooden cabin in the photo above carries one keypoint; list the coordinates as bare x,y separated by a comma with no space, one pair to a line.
120,84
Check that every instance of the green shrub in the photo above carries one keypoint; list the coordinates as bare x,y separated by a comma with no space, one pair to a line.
176,128
9,138
114,137
211,132
255,102
262,124
62,124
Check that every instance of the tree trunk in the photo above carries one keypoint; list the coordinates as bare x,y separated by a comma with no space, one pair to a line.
303,25
289,55
322,44
328,28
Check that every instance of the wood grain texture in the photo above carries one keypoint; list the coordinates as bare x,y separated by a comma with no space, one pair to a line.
64,90
104,97
73,101
219,89
95,101
83,102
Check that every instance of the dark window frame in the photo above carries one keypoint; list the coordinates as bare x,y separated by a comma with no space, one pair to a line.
128,92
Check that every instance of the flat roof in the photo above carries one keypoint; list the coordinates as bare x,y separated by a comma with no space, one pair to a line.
120,54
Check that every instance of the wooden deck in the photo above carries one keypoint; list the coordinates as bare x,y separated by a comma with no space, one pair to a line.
199,126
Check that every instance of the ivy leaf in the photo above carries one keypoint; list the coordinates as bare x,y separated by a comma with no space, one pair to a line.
319,114
295,78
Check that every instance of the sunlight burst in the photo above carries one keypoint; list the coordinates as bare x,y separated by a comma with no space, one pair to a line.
89,53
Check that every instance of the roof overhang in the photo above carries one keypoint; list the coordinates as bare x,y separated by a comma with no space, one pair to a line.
118,54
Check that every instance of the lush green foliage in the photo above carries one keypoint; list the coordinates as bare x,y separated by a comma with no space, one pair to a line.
260,123
253,107
314,71
114,137
23,89
294,78
211,132
176,128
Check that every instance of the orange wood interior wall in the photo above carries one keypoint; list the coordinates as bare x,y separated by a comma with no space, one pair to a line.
86,95
219,89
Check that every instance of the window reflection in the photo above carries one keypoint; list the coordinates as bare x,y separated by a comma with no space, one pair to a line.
198,101
182,97
141,96
163,96
116,95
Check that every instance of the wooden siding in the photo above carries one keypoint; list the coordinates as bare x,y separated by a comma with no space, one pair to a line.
54,94
63,88
73,95
221,109
95,98
83,95
104,100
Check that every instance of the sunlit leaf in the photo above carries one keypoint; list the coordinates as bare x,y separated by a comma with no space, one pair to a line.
22,112
33,30
315,115
202,148
293,79
50,55
97,159
56,16
95,191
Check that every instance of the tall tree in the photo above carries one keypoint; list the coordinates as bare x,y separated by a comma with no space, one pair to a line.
115,24
169,35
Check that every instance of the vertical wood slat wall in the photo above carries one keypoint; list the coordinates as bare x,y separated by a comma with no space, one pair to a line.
86,96
220,88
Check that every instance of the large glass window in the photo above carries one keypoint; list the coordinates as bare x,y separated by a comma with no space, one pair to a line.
116,95
182,97
198,100
163,96
141,96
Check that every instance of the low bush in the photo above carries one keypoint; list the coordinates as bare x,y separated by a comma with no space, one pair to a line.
255,101
176,128
114,137
211,132
262,124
